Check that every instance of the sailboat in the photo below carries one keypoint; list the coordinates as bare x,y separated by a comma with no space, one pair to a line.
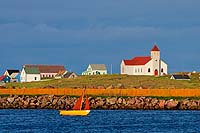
77,109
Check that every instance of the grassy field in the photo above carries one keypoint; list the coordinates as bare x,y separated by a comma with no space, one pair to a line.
105,81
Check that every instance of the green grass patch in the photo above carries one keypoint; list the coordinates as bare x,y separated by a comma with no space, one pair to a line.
128,81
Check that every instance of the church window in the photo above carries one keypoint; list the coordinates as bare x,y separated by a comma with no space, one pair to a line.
149,70
162,70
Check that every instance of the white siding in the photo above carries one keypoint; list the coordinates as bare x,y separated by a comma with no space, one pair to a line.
23,76
143,69
32,77
164,67
29,77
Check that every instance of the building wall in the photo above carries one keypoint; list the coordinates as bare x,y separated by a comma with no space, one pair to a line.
94,72
164,67
6,73
32,77
156,62
23,76
48,75
89,71
29,77
135,70
143,69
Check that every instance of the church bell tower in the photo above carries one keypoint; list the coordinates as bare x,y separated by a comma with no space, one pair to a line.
156,62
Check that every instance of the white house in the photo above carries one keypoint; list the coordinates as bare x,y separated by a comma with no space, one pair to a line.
48,71
30,74
95,69
145,65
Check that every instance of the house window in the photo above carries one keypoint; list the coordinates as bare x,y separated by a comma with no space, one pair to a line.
149,70
122,69
162,70
35,78
141,70
135,70
138,70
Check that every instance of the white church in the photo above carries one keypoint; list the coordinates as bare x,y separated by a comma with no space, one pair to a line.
145,65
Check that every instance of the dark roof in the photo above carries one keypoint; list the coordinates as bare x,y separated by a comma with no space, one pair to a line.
67,74
47,68
12,71
181,76
141,60
31,70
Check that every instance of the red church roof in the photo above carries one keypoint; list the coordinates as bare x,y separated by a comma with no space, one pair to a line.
155,48
138,60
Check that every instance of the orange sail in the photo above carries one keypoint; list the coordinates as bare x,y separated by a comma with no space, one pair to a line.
78,104
87,106
77,109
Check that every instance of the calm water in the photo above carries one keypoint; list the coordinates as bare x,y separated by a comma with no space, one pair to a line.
100,121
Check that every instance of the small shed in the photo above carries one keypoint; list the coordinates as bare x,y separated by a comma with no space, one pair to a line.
70,75
180,77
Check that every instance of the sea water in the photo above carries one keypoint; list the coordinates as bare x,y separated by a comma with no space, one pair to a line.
102,121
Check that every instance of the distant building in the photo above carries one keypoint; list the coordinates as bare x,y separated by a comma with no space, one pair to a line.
60,74
180,77
145,65
5,79
95,69
13,74
8,72
70,75
47,71
30,74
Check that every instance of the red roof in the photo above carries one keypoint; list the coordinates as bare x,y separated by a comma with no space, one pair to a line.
2,77
138,60
155,48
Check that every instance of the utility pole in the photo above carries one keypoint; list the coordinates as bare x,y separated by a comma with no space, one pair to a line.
111,69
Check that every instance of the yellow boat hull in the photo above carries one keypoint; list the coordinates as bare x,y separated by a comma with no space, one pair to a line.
74,112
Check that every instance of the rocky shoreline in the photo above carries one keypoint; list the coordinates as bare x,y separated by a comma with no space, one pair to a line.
111,103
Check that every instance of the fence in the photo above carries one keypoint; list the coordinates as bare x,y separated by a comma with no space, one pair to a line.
106,92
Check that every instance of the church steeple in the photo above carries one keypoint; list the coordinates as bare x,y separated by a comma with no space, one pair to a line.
156,62
155,52
155,48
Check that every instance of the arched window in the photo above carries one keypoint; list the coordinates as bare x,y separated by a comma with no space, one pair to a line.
149,70
162,70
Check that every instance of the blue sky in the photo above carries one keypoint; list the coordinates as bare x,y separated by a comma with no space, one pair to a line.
77,33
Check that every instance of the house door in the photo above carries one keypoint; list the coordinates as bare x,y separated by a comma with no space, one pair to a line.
156,72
